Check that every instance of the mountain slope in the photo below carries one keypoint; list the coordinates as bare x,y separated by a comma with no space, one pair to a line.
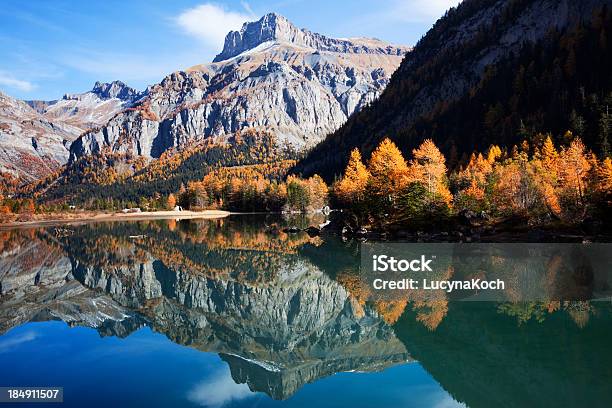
270,77
35,135
489,71
275,28
127,178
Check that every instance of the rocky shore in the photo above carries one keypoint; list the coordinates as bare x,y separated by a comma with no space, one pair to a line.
464,227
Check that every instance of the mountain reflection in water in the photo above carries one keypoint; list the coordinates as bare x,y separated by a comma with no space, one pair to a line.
283,310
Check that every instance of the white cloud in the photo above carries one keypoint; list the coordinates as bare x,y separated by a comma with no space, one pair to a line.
219,390
210,23
247,8
9,81
15,341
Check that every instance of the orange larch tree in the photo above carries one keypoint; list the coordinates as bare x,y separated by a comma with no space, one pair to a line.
573,169
351,188
545,167
171,201
389,171
429,168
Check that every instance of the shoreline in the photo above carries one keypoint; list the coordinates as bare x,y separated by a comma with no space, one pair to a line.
76,218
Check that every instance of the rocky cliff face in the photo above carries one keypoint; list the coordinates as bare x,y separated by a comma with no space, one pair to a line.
270,76
116,90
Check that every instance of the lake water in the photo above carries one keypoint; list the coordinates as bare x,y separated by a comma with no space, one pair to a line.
226,313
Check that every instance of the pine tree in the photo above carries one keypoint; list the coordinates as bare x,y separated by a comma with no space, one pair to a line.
523,133
577,123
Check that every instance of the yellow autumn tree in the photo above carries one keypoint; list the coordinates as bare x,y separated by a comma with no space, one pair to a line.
171,201
477,169
601,184
388,170
545,166
431,313
604,176
318,191
390,310
351,188
573,169
493,154
548,152
429,168
512,193
472,197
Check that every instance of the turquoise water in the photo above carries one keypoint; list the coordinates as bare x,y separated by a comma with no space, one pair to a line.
231,313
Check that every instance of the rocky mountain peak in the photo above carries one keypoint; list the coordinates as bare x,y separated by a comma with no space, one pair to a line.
275,28
271,27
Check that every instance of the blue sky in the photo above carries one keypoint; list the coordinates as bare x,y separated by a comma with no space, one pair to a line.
48,48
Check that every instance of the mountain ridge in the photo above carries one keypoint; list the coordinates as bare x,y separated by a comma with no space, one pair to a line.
31,146
116,89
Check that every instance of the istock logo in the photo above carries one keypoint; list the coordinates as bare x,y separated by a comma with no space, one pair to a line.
383,263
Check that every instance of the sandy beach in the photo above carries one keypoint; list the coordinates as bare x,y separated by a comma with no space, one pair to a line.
74,218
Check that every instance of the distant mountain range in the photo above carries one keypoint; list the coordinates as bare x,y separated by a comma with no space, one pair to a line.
490,71
89,109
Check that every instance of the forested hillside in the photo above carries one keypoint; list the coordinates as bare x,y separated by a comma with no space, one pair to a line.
490,72
112,180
